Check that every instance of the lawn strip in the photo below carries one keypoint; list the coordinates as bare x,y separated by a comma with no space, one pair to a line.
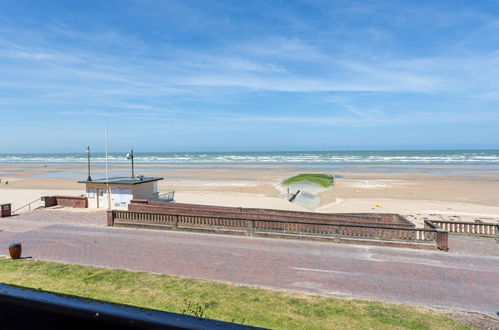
217,300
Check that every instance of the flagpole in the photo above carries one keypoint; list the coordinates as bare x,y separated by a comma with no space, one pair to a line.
107,166
107,170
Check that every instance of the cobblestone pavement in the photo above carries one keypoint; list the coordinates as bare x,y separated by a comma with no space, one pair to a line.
466,278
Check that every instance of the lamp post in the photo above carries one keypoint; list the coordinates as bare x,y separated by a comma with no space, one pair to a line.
88,157
130,156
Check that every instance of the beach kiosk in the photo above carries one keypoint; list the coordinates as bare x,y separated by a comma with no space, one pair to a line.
117,192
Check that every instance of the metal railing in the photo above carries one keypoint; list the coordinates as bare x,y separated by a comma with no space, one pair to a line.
27,205
25,308
167,196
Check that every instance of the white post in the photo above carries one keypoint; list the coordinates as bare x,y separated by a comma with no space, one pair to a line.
107,170
105,135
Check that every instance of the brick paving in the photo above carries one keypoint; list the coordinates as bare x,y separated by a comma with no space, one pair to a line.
84,217
466,278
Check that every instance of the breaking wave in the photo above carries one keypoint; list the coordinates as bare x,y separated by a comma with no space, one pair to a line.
306,158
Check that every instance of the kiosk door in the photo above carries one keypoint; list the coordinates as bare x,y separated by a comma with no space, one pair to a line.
100,199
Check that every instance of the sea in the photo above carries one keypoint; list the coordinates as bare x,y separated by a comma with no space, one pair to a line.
327,158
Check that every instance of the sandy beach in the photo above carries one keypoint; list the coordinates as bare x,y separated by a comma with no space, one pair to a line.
460,193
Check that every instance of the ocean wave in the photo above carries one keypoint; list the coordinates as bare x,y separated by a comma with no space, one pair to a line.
322,158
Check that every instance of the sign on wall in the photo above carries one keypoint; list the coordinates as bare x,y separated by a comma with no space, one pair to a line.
120,197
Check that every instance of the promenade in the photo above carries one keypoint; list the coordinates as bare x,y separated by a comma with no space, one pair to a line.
465,278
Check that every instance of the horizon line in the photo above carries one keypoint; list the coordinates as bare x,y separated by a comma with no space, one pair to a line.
262,151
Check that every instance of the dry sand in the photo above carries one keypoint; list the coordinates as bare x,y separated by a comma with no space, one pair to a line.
456,194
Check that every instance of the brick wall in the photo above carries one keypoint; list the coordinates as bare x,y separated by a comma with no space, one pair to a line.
394,220
49,201
67,201
250,215
442,240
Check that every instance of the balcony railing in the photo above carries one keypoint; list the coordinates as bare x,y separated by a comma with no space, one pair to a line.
23,308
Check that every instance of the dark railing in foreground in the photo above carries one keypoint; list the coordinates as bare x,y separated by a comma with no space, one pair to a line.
416,237
469,228
23,308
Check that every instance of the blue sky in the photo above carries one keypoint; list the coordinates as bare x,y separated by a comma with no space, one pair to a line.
249,75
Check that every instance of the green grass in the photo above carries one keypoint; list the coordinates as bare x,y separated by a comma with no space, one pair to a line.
323,179
240,304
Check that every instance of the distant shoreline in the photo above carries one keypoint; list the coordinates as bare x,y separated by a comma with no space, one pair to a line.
77,170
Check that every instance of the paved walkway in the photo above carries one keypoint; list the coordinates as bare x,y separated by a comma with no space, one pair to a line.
465,279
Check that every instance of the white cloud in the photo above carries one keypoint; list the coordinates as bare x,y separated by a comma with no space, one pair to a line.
126,72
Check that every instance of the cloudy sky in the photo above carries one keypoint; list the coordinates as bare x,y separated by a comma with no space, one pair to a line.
249,75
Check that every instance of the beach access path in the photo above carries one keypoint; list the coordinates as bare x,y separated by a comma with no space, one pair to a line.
465,278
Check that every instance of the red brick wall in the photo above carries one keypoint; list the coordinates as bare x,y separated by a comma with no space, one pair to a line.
67,201
371,217
442,240
249,215
49,201
394,220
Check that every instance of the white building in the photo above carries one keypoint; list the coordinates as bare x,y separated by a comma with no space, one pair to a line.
117,192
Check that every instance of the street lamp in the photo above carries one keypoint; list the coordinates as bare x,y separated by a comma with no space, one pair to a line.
130,156
88,156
